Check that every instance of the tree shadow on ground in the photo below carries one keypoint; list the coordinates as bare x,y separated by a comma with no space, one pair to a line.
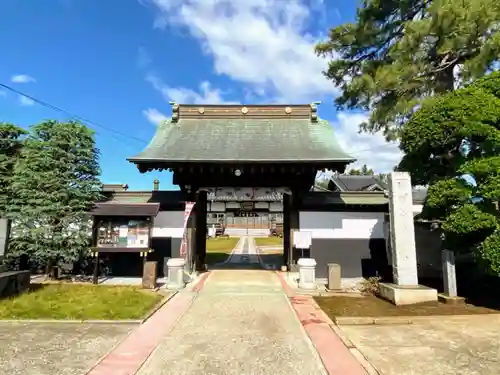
244,261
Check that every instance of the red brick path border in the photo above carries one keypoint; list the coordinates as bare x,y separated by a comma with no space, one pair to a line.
336,357
130,354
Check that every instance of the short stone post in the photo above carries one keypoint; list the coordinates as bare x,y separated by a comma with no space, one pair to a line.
307,273
334,277
449,275
149,275
176,273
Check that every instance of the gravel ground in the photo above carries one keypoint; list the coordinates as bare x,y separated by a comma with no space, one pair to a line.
55,348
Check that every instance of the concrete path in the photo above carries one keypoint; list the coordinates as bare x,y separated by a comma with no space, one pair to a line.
234,321
240,323
243,256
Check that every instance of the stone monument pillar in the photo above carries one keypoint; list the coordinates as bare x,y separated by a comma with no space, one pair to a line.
402,230
405,289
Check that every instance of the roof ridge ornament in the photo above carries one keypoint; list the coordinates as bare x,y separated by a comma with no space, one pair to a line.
314,111
175,111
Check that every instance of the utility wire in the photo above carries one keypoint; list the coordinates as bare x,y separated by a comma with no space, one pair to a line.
72,115
86,120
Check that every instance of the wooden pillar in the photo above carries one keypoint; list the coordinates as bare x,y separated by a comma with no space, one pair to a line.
201,230
287,255
290,224
95,276
294,219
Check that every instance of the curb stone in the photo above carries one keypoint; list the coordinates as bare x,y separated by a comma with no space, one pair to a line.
158,306
402,320
369,368
56,321
343,337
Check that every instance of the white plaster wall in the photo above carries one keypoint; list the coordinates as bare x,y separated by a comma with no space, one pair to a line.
343,225
169,224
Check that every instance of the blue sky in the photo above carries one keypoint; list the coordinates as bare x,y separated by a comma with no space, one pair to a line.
119,62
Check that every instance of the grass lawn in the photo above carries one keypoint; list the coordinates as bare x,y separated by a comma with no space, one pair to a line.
218,249
371,306
269,241
79,302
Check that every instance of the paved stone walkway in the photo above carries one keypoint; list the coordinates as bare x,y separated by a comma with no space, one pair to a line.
467,345
244,256
233,322
240,323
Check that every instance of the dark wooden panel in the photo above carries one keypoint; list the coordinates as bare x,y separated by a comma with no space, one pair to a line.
125,209
120,249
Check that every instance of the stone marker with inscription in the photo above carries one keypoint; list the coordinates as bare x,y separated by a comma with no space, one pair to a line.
334,277
405,289
449,275
149,276
450,294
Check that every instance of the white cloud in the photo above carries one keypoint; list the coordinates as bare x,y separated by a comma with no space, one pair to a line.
267,46
154,116
22,78
25,101
369,149
206,94
261,43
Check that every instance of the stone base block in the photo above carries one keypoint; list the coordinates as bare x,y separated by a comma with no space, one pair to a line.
451,300
14,282
176,273
407,295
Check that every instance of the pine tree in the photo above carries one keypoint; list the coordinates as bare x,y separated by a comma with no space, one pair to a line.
54,184
450,136
400,51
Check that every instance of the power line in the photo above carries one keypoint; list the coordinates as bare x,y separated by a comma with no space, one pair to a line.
88,121
72,115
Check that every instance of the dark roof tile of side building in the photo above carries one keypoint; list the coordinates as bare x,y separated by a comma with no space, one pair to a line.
356,183
350,183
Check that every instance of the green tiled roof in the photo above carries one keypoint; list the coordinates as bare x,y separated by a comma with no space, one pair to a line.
193,140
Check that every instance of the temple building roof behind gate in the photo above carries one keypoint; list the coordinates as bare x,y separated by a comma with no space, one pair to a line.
254,133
